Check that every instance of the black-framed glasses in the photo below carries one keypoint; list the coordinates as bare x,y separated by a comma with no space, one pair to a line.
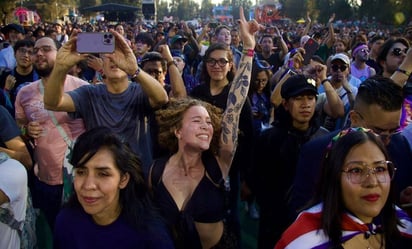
384,134
357,171
220,62
341,68
43,49
398,51
23,50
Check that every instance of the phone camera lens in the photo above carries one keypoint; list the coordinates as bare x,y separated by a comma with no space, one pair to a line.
105,36
110,36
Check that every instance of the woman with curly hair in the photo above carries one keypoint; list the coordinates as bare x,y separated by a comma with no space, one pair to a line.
190,185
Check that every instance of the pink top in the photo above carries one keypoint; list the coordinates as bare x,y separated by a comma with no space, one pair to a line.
50,149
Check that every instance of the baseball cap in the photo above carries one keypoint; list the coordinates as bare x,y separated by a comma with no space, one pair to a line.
296,85
176,38
341,56
13,26
178,53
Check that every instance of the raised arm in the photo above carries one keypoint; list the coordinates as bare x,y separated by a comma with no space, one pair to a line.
176,80
237,95
403,72
54,96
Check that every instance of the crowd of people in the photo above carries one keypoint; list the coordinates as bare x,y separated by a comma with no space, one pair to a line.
156,144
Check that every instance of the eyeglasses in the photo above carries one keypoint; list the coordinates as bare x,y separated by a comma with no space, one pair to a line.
43,49
384,134
398,51
341,68
25,50
358,171
153,72
220,62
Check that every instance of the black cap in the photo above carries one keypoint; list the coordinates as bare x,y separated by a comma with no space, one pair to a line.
296,85
13,26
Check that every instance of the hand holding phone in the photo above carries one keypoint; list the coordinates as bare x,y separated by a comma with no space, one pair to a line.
95,42
311,46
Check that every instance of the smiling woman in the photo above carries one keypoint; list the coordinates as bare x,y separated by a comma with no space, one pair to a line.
110,198
357,199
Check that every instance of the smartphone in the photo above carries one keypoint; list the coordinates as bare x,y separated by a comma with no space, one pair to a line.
311,46
95,42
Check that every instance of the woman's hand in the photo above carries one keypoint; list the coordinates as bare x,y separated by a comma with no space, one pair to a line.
247,30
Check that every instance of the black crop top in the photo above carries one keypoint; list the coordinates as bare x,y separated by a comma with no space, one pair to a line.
207,203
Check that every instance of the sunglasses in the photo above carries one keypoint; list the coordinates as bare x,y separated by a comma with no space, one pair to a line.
398,51
221,62
341,67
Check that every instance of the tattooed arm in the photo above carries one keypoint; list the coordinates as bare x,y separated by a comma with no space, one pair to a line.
237,95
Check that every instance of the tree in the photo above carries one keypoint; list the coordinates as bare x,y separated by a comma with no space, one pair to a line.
6,11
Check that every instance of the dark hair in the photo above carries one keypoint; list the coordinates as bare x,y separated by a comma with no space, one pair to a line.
381,91
257,69
219,28
153,56
23,43
205,77
145,38
330,190
317,58
387,45
376,38
134,199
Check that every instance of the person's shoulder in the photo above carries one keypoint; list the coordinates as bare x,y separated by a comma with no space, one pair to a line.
319,143
29,87
76,81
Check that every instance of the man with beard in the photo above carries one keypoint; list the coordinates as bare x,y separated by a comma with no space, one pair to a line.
359,68
268,53
39,124
346,91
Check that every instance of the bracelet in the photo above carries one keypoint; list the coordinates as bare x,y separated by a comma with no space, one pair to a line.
135,73
248,52
23,130
170,63
323,81
100,71
407,73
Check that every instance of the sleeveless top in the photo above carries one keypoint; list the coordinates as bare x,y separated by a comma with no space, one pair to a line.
207,203
361,74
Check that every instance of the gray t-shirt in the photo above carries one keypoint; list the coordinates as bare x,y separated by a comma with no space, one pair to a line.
125,113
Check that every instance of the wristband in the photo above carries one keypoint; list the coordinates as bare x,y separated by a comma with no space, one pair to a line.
135,73
248,52
23,130
407,73
100,71
170,63
323,81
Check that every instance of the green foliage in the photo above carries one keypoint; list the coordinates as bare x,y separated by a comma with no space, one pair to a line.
6,11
